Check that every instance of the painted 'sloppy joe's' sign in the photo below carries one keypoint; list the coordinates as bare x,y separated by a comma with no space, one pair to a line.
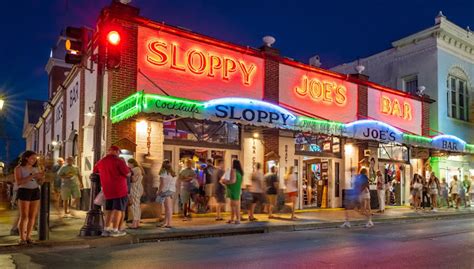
373,130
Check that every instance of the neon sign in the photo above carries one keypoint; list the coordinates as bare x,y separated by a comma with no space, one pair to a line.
197,61
373,130
393,107
448,142
322,91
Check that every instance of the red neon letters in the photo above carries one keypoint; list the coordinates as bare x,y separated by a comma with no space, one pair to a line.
393,107
198,62
322,91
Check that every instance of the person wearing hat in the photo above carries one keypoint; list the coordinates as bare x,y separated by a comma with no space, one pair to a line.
113,172
71,183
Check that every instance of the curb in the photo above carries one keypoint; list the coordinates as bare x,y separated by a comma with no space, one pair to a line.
96,242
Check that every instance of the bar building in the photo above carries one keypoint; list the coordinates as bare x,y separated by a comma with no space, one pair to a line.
179,94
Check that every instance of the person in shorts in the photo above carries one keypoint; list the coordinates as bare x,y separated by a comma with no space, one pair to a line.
256,188
219,189
71,183
271,182
187,176
113,173
209,186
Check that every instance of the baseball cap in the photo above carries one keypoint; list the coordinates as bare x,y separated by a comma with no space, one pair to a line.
114,148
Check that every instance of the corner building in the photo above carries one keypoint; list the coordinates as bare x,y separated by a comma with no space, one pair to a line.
179,94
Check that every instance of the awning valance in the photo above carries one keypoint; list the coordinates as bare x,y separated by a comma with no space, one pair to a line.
260,113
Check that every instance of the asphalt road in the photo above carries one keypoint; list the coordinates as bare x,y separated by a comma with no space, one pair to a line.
422,244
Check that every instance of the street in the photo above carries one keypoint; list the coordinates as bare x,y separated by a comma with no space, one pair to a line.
419,244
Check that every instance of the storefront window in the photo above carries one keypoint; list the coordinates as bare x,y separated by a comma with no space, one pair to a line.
202,131
393,152
317,143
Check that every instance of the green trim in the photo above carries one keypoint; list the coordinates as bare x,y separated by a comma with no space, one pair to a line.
126,108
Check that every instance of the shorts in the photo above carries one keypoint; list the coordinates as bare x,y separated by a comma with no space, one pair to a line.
184,196
433,192
68,191
258,198
209,189
160,198
220,197
271,199
28,194
57,184
119,204
292,194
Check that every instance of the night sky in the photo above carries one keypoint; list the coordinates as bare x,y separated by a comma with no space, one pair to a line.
338,31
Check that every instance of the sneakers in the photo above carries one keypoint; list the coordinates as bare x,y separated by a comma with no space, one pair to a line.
369,224
106,232
117,233
434,210
346,224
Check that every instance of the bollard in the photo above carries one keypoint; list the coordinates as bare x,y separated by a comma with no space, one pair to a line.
94,223
44,212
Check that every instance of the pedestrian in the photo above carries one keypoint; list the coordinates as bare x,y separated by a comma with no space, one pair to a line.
362,184
471,190
256,188
291,184
433,186
209,186
28,178
425,193
417,191
166,191
71,185
187,176
380,191
466,184
271,182
136,191
57,183
443,186
454,189
113,173
351,201
234,190
219,188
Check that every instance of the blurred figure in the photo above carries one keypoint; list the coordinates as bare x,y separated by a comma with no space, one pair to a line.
466,184
28,178
291,184
444,196
166,191
209,186
219,188
56,186
380,181
234,190
417,191
426,201
433,187
454,188
136,191
363,185
71,184
271,182
256,188
187,176
351,202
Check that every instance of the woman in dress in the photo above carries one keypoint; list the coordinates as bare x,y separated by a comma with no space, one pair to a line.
28,178
417,191
234,190
291,184
136,191
166,191
433,188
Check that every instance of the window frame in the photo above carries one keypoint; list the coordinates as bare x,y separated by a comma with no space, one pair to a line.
408,79
454,108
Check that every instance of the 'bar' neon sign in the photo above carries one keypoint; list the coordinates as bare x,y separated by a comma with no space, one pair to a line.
394,107
197,61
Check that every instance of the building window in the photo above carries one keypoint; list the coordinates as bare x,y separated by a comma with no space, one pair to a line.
392,152
457,96
410,84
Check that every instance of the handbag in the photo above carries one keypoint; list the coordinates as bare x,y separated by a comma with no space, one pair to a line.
100,199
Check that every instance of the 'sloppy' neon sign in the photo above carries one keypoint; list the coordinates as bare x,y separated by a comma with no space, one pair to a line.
322,91
198,61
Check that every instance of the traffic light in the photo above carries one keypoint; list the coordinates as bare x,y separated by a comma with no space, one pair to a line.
75,44
114,49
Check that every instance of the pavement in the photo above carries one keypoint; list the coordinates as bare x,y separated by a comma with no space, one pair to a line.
64,231
428,243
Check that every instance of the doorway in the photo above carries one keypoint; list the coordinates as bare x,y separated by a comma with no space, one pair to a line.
315,183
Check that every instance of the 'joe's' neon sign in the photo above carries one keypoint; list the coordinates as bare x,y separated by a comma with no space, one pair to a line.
322,91
198,62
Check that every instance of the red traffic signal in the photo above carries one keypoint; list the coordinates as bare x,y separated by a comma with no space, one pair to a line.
114,49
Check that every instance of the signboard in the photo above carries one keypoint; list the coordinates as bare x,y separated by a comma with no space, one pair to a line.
373,130
194,69
448,143
401,112
317,94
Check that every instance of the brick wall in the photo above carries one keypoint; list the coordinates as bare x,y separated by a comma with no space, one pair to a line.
362,97
425,118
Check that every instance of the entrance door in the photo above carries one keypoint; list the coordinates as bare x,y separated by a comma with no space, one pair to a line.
315,183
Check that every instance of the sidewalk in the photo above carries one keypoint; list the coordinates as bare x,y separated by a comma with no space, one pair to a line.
64,232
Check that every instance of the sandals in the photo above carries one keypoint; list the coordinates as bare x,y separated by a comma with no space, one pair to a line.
253,219
22,242
219,219
230,222
166,226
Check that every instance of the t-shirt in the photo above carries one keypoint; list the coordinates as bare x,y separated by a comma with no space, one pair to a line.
113,176
291,183
185,173
454,187
216,176
208,171
361,183
69,174
169,182
256,182
270,180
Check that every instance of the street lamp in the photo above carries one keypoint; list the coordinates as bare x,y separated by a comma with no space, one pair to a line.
2,102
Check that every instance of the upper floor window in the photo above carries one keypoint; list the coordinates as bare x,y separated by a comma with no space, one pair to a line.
457,95
410,84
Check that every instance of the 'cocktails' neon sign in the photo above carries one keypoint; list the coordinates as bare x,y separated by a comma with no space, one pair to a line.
198,62
322,91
